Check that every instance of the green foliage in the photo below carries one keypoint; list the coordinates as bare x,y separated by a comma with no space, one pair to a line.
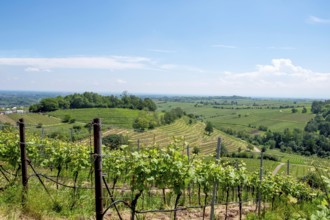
114,141
304,110
209,128
294,110
172,115
263,128
150,168
270,157
92,100
320,106
196,150
145,121
66,119
241,155
313,179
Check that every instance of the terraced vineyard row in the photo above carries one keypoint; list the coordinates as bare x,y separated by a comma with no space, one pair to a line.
193,134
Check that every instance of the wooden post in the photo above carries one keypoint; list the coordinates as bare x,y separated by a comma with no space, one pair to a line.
260,178
98,168
288,168
71,134
138,143
189,188
215,185
23,159
42,133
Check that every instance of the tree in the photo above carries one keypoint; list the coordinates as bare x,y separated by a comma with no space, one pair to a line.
304,110
114,141
141,123
209,128
149,104
294,110
49,104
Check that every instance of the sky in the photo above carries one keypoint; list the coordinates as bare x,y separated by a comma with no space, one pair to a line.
259,48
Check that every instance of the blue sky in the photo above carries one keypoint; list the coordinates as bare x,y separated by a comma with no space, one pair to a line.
273,48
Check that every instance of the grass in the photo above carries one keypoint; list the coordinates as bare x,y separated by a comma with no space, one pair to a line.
253,165
52,123
34,119
239,118
112,117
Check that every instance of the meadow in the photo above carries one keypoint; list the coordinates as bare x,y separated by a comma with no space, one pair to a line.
247,116
111,117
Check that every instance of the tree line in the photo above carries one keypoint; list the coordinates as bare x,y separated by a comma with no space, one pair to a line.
93,100
313,140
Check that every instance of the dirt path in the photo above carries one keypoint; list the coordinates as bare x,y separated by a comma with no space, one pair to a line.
256,150
277,168
192,214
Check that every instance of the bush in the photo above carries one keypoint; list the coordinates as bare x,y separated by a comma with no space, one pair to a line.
196,150
270,157
313,180
77,127
263,128
66,119
241,155
114,141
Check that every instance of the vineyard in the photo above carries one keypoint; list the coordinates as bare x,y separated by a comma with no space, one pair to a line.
242,118
194,135
74,180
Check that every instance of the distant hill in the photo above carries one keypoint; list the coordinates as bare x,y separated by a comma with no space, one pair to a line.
23,98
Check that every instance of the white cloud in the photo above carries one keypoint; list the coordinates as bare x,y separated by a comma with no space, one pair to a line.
120,81
162,51
32,69
281,78
224,46
35,69
113,62
317,20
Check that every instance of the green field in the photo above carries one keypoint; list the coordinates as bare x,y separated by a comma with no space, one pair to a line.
246,117
112,117
253,165
34,119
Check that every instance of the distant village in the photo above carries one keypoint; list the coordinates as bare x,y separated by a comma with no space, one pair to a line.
13,110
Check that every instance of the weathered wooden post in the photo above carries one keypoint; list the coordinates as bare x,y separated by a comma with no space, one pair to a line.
23,159
189,187
260,178
288,168
215,184
98,168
